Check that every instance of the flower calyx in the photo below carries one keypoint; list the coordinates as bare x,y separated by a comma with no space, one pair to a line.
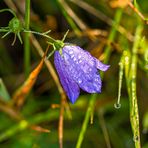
14,26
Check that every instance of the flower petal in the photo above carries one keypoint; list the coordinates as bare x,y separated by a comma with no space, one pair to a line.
92,85
100,65
84,73
70,86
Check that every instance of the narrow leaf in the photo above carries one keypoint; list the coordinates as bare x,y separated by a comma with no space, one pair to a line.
21,93
3,91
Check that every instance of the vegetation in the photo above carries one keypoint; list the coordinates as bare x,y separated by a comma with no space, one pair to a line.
35,110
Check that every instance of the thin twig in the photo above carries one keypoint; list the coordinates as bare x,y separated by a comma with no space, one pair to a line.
61,119
103,17
73,15
136,10
11,112
48,64
86,31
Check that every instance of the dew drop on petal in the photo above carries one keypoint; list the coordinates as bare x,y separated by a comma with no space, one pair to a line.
70,52
85,67
79,56
70,68
66,56
98,89
74,59
96,80
79,81
80,61
91,62
89,69
72,55
88,77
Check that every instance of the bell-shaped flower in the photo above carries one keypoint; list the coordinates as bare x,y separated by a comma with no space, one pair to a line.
78,69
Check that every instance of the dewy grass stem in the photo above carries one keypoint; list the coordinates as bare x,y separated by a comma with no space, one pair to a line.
132,88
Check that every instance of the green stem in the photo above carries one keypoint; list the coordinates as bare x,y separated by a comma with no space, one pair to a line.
86,120
112,34
26,40
44,34
131,82
57,44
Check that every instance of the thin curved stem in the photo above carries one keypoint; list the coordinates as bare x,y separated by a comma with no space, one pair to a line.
4,29
9,10
6,34
41,34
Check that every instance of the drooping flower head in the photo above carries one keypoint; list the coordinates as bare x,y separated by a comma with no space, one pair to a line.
78,69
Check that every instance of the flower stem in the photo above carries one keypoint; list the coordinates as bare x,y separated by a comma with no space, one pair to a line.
26,39
86,120
44,34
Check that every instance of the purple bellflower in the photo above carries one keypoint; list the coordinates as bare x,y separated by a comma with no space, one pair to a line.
78,69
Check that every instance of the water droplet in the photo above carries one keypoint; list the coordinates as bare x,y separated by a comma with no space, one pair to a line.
135,138
74,59
98,89
126,59
117,105
120,63
88,77
79,81
72,55
79,56
66,56
70,68
96,80
70,52
75,76
80,61
85,68
89,69
91,62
